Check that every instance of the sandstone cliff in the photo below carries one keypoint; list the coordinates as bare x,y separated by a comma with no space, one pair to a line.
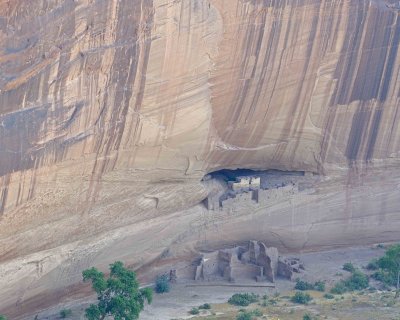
112,111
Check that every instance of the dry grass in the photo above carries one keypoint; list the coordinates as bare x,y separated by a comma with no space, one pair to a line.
355,306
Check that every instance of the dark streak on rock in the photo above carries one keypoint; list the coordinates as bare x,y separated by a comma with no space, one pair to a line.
18,133
359,127
124,74
371,47
374,130
390,61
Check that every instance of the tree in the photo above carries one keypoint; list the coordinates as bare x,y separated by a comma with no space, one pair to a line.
119,295
388,268
390,262
2,317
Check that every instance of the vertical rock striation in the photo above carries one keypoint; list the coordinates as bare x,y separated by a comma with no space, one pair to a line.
111,112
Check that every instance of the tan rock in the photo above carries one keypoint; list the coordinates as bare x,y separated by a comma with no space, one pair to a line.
111,112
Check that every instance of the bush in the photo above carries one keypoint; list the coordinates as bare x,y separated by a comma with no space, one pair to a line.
205,306
243,299
303,285
301,298
65,313
2,317
194,311
257,313
329,296
249,315
385,277
339,288
307,316
244,316
357,281
162,284
348,266
388,266
319,286
373,265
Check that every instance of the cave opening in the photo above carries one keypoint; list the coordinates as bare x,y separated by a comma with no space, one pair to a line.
269,178
245,185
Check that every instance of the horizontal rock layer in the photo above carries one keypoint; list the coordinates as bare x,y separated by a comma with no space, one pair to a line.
111,112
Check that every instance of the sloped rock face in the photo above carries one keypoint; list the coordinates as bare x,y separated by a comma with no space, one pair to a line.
112,111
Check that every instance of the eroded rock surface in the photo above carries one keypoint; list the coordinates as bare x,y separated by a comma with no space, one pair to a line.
112,111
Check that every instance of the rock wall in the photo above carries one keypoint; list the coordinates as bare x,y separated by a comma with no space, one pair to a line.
111,112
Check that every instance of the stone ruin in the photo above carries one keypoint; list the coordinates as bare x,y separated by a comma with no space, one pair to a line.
254,262
245,183
288,266
255,189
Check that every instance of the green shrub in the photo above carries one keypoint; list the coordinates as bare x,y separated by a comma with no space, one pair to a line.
388,266
329,296
319,286
307,316
357,281
2,317
244,316
249,315
205,306
243,299
383,276
348,266
65,313
373,265
301,298
257,313
339,288
303,285
194,311
162,284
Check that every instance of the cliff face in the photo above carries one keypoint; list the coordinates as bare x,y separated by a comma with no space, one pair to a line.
111,112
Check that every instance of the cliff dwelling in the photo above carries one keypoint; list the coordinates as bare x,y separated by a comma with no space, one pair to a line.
231,188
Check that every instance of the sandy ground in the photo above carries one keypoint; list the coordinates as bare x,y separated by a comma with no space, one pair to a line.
326,266
319,266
